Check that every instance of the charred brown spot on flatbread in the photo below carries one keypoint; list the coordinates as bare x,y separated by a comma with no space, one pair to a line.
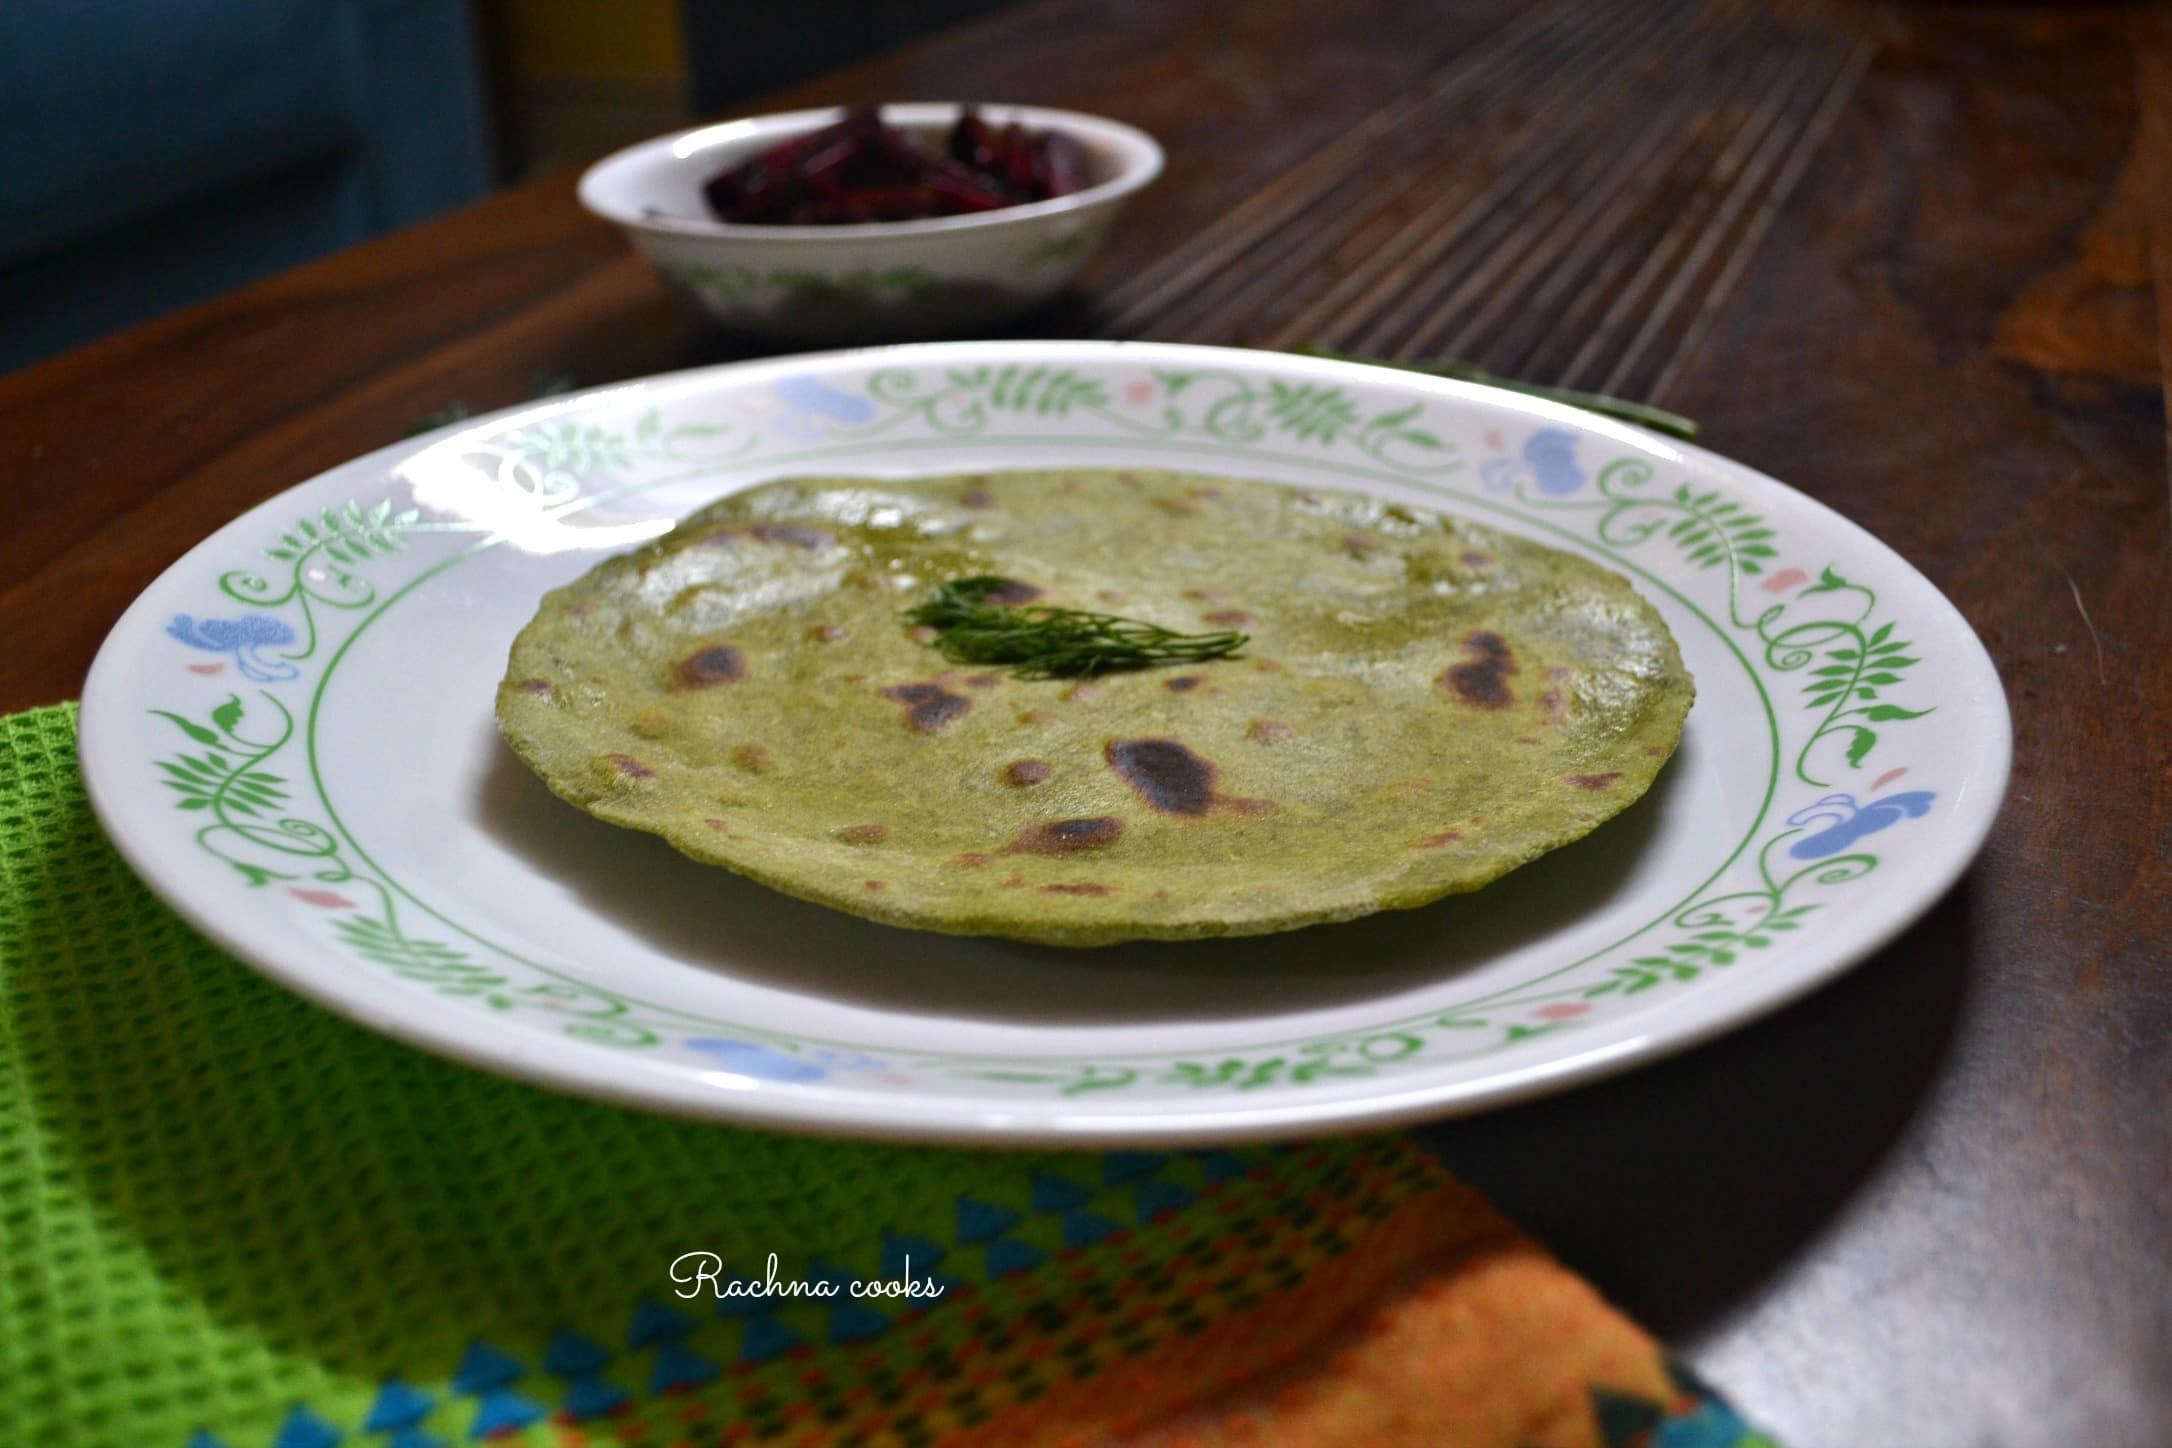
1182,683
1023,772
1593,781
928,706
1230,618
1440,841
706,668
1172,780
1064,837
1269,731
540,687
867,834
1482,679
1082,887
753,758
631,767
1166,775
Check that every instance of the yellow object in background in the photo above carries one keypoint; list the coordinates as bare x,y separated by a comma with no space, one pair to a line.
627,40
576,79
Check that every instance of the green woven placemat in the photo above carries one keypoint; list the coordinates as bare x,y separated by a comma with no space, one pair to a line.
230,1218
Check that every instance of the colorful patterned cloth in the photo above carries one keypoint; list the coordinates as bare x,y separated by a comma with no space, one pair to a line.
231,1220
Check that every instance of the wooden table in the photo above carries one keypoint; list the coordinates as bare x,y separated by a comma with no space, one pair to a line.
1916,260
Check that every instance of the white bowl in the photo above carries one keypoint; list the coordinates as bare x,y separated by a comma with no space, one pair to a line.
871,281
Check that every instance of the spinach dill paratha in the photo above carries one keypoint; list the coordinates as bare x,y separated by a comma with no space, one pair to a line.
1423,705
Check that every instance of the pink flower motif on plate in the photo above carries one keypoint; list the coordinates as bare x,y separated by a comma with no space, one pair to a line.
1140,393
329,899
1562,1011
1785,579
206,668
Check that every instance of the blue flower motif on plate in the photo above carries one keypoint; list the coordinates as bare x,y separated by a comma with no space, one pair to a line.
1845,821
242,637
1548,461
809,406
746,1058
749,1058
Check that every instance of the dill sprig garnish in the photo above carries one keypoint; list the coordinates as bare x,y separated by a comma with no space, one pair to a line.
1050,643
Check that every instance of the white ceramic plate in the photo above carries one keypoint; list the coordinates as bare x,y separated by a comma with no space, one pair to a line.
290,736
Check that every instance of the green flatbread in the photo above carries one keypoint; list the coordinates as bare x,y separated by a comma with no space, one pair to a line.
1424,704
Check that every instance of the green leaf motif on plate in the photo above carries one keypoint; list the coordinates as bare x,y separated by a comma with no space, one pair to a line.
223,781
1847,689
1209,404
1718,930
321,558
1826,620
1310,413
1231,408
1042,391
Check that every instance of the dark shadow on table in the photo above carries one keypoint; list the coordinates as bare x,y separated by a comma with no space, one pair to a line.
1680,1190
1069,314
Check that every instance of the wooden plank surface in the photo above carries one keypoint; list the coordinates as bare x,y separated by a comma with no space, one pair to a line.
1913,259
